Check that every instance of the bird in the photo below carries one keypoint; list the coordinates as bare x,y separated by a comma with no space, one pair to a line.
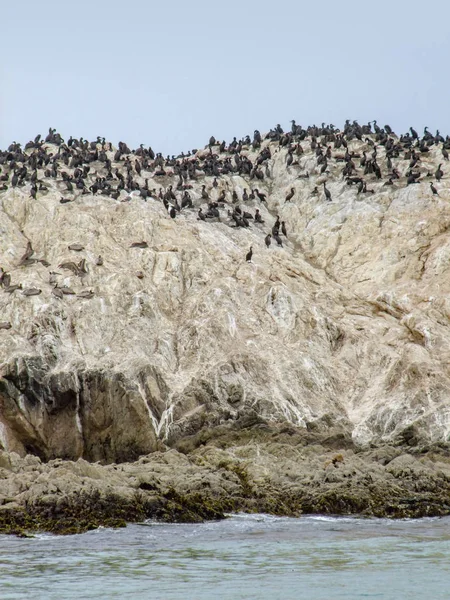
70,266
276,226
87,294
434,190
139,245
248,256
31,291
283,228
82,266
290,195
28,252
439,173
277,238
67,291
262,197
327,192
258,218
56,291
268,240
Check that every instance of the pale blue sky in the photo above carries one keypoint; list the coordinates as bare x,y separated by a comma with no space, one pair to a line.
170,74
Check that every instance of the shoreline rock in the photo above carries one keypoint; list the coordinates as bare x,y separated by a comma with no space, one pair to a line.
279,471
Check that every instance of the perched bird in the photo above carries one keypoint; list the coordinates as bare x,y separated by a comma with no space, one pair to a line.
70,266
327,192
277,238
28,252
205,194
268,240
434,190
276,226
6,280
56,291
258,218
67,291
31,291
290,195
87,294
248,256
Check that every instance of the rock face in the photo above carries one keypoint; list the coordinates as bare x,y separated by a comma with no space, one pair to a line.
346,325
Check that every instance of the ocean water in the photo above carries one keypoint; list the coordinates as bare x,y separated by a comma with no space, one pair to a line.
245,556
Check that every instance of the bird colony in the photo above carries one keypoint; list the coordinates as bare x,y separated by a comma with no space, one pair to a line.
300,276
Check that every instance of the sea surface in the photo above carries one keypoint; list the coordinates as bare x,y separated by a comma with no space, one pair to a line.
245,556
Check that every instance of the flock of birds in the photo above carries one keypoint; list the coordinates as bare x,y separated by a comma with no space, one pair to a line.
359,154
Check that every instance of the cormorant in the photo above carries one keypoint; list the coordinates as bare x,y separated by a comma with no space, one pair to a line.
258,218
278,239
276,226
248,256
290,195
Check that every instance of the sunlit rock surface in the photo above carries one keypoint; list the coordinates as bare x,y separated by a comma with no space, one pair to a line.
346,325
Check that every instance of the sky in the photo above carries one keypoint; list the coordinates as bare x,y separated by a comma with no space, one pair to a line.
172,73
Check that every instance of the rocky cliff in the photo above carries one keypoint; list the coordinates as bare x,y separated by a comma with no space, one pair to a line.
113,348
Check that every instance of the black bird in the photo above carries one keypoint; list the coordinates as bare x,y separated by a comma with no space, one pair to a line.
276,226
283,228
28,252
327,192
258,218
268,240
278,239
434,190
290,195
439,173
248,256
262,197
